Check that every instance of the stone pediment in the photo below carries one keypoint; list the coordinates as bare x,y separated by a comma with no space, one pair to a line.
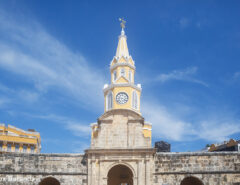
130,114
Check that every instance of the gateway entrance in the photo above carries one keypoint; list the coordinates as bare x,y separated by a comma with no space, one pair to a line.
120,175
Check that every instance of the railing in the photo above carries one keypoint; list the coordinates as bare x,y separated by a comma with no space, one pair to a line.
5,150
25,136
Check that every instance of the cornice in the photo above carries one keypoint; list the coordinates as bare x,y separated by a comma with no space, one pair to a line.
122,85
121,151
133,116
122,64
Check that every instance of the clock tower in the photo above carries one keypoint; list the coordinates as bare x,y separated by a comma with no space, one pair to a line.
122,93
121,150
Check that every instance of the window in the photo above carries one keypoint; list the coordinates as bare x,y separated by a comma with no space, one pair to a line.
114,75
134,100
9,147
1,145
32,149
130,75
122,72
17,148
24,148
109,101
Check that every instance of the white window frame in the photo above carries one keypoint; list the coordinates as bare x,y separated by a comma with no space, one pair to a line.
130,75
122,72
114,75
109,101
135,100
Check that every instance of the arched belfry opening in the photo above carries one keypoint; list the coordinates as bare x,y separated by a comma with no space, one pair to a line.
120,175
191,181
49,181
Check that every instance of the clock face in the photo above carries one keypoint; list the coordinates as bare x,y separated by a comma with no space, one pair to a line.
122,98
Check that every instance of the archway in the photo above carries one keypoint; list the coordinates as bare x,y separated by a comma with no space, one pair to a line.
191,181
120,175
49,181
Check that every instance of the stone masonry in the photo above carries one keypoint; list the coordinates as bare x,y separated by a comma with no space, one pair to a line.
120,129
221,168
30,169
215,168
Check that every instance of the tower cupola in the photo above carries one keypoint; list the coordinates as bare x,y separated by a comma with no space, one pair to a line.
122,93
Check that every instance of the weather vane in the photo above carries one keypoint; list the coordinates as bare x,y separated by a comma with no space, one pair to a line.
123,22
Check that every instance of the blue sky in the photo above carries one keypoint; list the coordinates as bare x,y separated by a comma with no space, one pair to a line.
55,55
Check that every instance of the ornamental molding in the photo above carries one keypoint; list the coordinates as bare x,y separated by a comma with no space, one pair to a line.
125,57
118,151
122,64
147,129
122,85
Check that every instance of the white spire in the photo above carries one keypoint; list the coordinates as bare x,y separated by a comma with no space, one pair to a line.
122,49
122,32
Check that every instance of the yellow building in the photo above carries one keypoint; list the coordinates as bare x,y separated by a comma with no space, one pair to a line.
13,139
122,93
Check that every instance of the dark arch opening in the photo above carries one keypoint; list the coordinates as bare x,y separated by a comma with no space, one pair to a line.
120,175
49,181
191,181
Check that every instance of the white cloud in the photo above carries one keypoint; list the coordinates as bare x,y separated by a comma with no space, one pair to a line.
79,146
31,52
16,95
78,128
182,75
167,125
218,130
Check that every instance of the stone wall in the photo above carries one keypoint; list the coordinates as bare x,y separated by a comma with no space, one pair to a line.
30,169
221,168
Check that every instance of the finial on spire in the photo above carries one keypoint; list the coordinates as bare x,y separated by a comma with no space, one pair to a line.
123,22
